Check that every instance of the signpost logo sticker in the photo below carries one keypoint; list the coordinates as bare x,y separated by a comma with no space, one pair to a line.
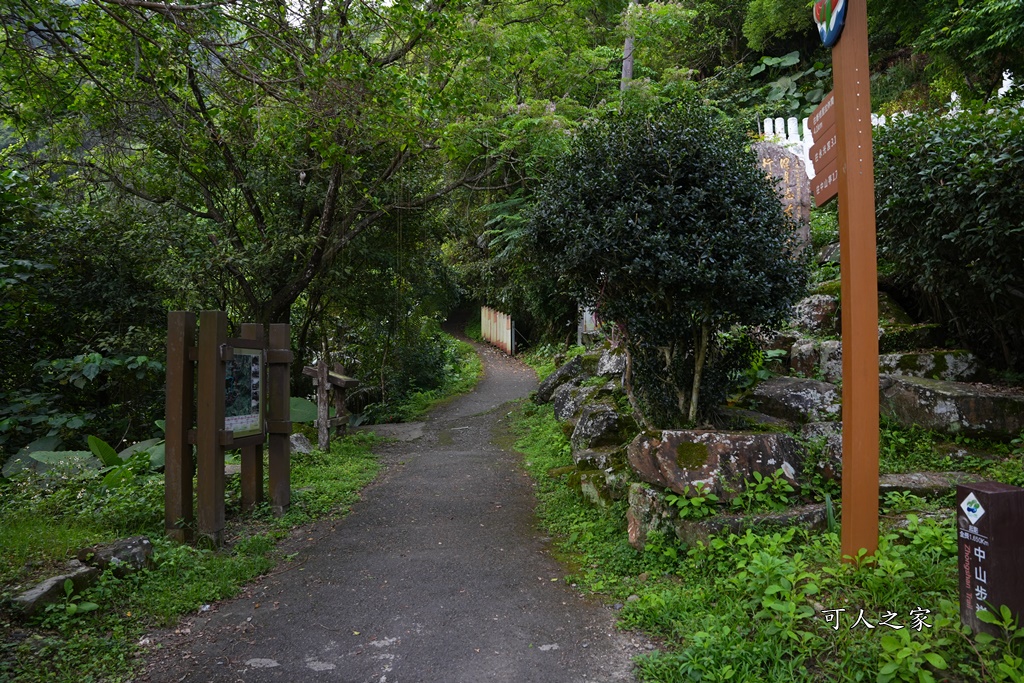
972,506
830,15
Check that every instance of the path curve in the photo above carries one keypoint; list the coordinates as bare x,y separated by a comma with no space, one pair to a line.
439,575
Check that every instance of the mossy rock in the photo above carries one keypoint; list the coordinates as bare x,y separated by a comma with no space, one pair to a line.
900,338
830,288
891,313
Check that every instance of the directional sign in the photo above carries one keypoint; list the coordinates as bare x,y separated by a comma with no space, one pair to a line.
824,117
825,149
825,184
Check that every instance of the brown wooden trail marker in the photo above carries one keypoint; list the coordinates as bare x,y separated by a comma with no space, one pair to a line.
991,545
237,403
853,180
329,383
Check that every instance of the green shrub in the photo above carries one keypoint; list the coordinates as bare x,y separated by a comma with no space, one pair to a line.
949,195
665,224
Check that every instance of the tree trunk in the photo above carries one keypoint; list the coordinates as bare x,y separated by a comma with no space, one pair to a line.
698,368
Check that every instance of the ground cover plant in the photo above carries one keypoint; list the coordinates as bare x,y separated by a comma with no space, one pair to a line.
776,605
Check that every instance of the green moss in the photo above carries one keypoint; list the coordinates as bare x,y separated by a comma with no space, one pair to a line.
831,288
691,455
898,338
890,313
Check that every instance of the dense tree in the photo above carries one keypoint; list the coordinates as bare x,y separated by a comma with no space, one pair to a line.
664,223
281,132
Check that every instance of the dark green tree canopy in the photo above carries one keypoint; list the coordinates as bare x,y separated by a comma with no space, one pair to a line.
664,223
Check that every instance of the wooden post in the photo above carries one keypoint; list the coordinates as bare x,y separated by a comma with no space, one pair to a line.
178,467
279,358
859,287
213,333
323,413
252,456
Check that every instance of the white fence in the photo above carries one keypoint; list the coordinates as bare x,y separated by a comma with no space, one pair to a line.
796,134
497,328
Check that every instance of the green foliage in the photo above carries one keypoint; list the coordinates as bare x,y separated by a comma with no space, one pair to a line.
754,606
769,20
765,494
949,190
697,506
456,369
668,229
790,87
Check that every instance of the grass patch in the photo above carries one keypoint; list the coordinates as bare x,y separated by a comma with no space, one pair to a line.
755,607
44,520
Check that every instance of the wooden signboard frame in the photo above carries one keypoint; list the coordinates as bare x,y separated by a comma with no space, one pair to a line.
200,364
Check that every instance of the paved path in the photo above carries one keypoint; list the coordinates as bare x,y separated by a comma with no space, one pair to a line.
439,575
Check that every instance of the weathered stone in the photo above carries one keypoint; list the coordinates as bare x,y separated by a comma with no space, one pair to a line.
829,253
909,337
599,425
742,419
926,484
830,360
557,378
804,356
612,363
720,462
781,340
32,601
891,313
300,444
952,366
592,486
953,407
568,399
792,184
816,314
830,434
648,512
693,530
599,458
123,556
796,399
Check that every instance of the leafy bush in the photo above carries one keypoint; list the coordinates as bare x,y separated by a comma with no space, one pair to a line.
666,226
949,196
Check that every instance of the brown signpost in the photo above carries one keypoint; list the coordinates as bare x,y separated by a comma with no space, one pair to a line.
991,557
859,286
237,403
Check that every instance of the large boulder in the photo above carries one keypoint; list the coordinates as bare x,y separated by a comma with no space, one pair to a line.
563,374
647,512
612,363
816,314
953,407
720,462
600,425
952,365
568,399
797,399
804,356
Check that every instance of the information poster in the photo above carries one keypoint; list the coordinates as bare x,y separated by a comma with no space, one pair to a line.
243,395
